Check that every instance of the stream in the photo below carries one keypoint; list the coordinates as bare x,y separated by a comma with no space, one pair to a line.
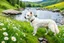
42,14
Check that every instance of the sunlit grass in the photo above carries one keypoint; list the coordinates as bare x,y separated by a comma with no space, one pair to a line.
5,5
22,32
13,31
56,6
17,29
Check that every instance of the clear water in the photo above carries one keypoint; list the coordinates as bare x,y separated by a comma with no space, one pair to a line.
42,14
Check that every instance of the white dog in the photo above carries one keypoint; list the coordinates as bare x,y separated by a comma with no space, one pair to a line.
36,23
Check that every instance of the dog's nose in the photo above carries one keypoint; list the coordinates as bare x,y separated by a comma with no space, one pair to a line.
25,17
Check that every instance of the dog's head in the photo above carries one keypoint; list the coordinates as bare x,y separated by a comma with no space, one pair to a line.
29,15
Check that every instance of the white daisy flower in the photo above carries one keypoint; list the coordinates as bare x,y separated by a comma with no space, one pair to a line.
13,38
5,33
3,28
6,38
2,41
1,24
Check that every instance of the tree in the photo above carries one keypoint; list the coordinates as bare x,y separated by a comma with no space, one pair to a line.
17,3
29,5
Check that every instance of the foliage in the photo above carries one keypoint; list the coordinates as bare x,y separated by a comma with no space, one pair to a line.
5,5
16,2
10,4
43,3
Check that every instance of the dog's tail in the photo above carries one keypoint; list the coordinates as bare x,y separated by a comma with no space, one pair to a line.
54,28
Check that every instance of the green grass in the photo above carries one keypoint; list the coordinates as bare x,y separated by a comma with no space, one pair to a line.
23,32
5,5
58,6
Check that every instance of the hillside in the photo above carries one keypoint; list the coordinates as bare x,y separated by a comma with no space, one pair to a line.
5,5
43,3
11,4
58,6
22,32
13,31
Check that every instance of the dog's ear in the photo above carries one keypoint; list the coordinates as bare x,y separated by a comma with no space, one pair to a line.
35,15
30,12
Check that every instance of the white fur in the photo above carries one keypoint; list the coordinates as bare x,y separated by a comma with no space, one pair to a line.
36,23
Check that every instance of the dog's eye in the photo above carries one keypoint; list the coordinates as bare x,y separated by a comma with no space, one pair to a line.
27,15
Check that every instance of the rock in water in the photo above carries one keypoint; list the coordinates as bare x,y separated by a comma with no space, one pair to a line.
11,12
62,12
56,10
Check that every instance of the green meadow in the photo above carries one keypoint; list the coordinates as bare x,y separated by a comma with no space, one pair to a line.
22,31
56,6
13,31
5,5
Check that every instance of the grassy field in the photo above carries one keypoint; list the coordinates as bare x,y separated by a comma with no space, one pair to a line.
56,6
13,31
5,5
22,32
